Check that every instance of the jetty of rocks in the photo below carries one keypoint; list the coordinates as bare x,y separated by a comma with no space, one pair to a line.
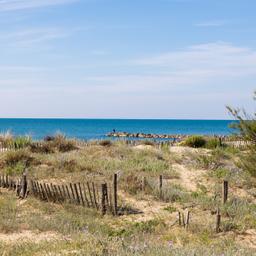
146,135
175,137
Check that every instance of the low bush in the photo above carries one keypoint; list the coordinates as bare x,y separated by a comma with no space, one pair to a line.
195,141
58,143
105,143
62,144
5,139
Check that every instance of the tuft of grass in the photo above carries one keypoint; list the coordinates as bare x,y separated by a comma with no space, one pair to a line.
147,142
12,158
170,209
8,214
213,143
7,140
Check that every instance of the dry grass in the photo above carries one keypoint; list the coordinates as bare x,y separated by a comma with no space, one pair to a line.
74,230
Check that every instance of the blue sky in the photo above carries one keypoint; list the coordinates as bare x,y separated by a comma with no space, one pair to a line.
126,58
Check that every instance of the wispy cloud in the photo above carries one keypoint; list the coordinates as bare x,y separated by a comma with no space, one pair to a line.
34,36
217,58
212,23
199,65
12,5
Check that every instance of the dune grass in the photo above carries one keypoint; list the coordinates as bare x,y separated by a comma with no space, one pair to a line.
76,230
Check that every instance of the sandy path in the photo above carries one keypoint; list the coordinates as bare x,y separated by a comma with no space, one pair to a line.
148,209
248,238
29,236
190,178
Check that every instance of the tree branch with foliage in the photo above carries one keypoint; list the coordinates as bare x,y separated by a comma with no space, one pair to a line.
246,127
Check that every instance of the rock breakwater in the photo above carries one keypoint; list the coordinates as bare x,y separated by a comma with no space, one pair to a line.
146,135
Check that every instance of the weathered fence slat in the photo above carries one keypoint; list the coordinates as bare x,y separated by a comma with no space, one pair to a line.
218,219
94,195
81,194
72,193
68,194
90,194
103,198
86,199
77,195
115,193
225,192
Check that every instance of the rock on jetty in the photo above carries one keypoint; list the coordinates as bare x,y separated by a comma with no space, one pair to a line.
146,135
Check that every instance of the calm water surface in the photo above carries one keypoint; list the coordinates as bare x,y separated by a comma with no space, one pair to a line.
98,128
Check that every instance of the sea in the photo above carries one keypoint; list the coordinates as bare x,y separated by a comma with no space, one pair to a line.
94,129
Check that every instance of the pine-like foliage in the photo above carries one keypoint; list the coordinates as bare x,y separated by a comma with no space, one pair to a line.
246,127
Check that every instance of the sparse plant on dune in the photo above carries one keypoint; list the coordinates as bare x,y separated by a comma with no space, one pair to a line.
246,127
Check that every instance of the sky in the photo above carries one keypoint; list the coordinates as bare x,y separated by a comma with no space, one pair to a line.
173,59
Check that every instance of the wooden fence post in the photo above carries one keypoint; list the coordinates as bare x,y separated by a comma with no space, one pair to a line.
225,191
179,218
187,219
24,186
94,196
115,194
220,141
218,219
103,198
161,186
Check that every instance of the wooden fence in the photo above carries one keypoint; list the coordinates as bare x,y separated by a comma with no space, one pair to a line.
100,196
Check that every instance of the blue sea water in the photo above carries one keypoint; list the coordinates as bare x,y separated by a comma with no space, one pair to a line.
87,129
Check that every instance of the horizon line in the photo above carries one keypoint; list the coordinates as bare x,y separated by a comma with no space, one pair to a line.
110,118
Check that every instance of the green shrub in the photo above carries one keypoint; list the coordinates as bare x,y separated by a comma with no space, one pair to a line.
63,144
213,143
195,141
222,173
